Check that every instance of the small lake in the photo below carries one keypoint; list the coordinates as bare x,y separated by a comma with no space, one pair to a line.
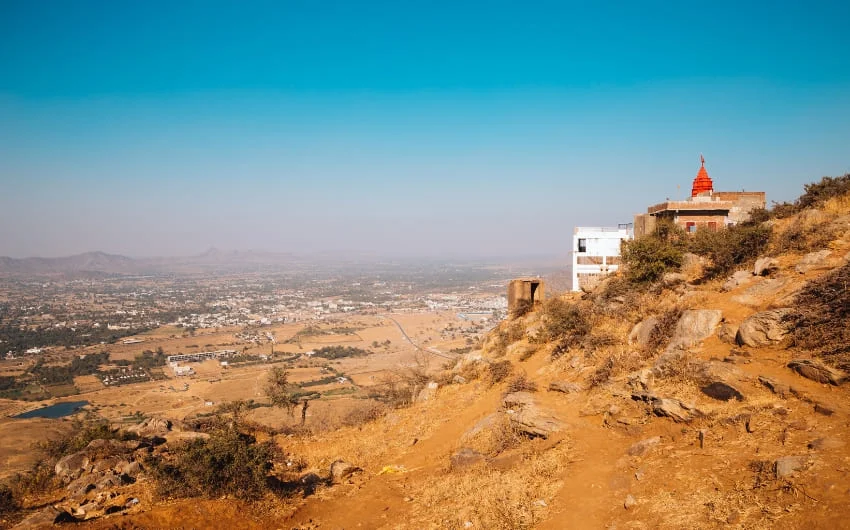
59,410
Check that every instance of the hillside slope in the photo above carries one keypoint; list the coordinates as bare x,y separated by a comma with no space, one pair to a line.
688,402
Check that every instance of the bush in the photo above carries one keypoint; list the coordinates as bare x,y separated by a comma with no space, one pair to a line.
80,435
564,320
800,237
820,317
228,463
520,383
648,258
728,248
499,371
816,195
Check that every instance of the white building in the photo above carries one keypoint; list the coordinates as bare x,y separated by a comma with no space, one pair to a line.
596,251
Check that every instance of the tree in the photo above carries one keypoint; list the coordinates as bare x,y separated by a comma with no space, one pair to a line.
279,390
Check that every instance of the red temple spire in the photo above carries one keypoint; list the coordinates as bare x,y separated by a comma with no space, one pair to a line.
702,183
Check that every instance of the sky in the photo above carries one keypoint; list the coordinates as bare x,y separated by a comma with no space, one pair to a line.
431,129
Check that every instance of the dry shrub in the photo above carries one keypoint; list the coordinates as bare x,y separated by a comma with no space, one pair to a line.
602,374
820,319
392,390
470,371
365,413
663,332
521,383
565,323
497,438
499,371
522,308
803,237
838,205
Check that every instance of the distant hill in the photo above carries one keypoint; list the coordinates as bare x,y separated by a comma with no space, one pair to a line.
213,260
88,261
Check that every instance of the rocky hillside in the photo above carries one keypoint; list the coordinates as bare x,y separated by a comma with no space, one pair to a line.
704,388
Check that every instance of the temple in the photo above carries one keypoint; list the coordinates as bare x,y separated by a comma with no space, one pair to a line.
705,209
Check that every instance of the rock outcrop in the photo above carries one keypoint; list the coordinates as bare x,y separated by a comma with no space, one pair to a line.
694,326
817,371
763,328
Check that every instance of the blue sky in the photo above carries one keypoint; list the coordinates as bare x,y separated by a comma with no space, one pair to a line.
405,128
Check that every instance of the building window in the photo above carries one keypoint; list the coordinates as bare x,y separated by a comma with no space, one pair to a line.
690,227
582,245
712,226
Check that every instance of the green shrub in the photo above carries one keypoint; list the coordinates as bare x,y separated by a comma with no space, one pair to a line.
648,258
228,463
728,248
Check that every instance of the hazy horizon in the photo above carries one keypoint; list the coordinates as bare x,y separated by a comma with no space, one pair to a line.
482,129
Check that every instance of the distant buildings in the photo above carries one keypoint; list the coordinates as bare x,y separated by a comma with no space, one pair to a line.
596,252
705,209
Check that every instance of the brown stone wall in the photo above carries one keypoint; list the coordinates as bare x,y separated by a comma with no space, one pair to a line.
644,225
531,289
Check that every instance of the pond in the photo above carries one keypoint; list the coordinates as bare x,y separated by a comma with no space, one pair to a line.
58,410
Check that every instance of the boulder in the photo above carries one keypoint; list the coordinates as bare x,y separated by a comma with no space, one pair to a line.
737,279
109,481
465,457
516,400
564,386
152,427
458,380
721,391
780,389
812,260
668,407
728,333
671,279
428,393
763,328
765,290
694,326
106,464
487,422
817,372
789,465
644,446
341,469
535,422
630,502
72,466
80,487
642,331
765,266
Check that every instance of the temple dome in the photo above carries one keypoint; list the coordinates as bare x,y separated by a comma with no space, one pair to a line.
702,182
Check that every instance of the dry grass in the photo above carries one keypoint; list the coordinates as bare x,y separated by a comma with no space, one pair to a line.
493,499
